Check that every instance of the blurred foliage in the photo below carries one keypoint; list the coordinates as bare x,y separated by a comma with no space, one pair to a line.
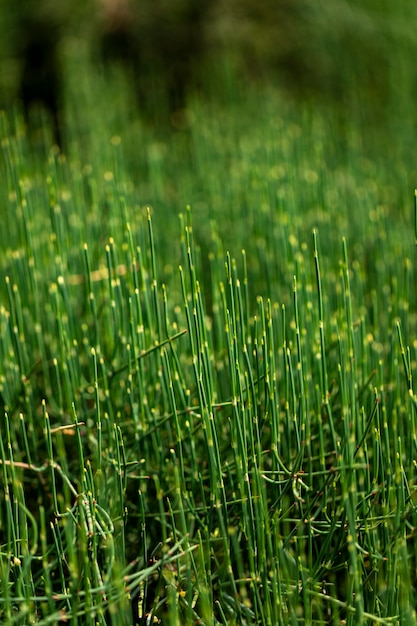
338,51
325,48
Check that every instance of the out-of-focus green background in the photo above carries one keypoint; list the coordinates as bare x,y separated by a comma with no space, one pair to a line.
348,51
246,111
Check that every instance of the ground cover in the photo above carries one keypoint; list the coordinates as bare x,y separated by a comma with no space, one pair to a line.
209,412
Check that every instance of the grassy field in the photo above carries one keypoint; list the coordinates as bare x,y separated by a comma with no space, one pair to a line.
207,348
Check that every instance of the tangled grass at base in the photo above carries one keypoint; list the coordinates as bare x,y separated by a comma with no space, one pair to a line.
196,436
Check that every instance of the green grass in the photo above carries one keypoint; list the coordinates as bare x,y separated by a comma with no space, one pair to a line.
211,418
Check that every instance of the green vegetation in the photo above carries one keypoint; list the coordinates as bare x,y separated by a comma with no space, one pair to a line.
208,414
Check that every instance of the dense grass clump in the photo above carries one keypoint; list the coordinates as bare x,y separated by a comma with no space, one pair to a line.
207,414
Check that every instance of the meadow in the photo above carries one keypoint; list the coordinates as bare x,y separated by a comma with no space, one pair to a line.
208,342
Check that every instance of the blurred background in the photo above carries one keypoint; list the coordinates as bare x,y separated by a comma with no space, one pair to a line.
347,53
257,114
